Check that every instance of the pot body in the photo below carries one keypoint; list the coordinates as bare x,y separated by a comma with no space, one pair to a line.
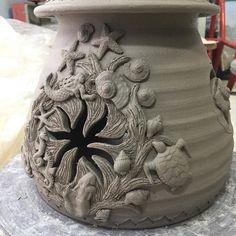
184,108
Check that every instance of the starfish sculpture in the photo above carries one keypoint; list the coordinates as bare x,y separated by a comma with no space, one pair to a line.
70,57
108,41
43,117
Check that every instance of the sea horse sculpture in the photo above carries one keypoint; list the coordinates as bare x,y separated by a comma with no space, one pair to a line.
38,156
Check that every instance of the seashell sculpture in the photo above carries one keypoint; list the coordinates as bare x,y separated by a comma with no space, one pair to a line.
85,32
146,97
137,70
105,87
129,128
154,126
122,163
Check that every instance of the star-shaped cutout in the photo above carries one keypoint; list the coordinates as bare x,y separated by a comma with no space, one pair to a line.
70,57
108,41
43,117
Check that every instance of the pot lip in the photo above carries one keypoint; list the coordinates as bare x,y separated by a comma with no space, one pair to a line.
61,7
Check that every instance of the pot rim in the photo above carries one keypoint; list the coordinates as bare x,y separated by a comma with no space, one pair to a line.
61,7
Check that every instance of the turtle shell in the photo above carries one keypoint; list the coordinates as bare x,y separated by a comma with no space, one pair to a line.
173,167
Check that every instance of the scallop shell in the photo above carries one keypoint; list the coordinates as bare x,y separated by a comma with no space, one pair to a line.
105,87
123,93
85,32
146,97
137,70
154,126
159,146
122,164
137,197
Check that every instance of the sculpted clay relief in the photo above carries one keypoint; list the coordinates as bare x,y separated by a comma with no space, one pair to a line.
88,139
221,95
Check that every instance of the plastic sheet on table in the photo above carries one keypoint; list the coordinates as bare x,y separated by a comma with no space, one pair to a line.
23,49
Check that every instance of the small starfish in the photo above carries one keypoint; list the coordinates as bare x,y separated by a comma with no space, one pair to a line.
70,57
43,117
107,41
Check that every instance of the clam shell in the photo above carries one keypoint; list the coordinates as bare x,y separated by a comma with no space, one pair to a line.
85,32
146,97
137,70
122,164
137,197
105,87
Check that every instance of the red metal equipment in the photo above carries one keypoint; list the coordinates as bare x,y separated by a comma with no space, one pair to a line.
18,11
221,39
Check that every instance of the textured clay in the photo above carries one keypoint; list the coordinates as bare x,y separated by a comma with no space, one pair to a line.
129,127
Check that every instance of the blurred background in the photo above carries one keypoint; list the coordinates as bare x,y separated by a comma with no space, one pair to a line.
25,42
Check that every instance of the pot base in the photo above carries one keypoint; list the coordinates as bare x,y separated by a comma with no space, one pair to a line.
146,222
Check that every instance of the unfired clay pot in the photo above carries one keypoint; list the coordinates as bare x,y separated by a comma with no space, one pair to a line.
130,128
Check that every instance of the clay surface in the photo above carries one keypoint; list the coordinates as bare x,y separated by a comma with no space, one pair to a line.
118,134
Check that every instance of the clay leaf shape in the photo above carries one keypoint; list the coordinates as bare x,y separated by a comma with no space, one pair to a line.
95,112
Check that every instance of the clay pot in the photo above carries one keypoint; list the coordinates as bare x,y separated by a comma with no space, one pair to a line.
165,58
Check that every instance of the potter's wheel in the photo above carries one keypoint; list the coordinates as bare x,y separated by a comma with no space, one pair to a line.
24,213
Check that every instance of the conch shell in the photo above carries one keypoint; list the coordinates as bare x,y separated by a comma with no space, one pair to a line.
105,87
154,126
122,164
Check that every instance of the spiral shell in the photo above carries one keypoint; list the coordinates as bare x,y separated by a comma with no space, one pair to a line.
146,97
154,126
90,86
122,164
137,70
137,197
105,87
159,146
85,32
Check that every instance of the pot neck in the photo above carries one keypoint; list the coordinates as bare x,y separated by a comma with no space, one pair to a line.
131,22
